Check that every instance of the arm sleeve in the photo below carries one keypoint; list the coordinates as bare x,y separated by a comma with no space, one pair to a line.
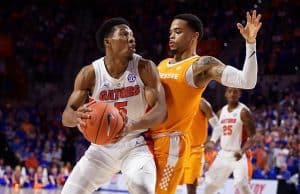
246,78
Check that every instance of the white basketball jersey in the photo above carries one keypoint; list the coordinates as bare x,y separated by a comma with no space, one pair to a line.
232,132
126,93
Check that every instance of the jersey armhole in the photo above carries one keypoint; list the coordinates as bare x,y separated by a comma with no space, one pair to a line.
189,77
97,81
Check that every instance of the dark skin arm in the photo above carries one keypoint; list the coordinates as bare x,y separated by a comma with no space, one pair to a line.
155,97
206,108
249,126
75,111
210,145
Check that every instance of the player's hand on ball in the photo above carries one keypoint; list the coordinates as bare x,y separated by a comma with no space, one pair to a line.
249,32
82,113
104,124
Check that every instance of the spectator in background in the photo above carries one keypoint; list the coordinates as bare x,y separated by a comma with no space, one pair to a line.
53,177
2,171
41,178
270,155
31,161
283,174
280,155
31,175
62,176
8,175
260,155
20,178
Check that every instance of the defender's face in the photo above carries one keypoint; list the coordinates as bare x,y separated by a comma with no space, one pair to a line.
181,36
122,41
233,95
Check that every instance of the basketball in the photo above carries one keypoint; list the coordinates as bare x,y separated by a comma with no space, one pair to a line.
104,125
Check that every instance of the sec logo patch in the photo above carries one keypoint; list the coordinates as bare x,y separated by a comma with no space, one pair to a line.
131,77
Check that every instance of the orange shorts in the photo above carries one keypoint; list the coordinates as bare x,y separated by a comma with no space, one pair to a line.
194,166
170,153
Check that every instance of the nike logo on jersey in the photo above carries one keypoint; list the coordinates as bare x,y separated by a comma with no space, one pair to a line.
115,94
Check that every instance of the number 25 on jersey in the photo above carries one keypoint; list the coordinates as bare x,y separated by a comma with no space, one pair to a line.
227,129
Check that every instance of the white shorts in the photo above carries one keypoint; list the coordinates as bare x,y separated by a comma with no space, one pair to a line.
99,163
224,164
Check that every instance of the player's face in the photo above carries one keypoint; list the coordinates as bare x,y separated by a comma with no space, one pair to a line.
181,36
232,95
122,42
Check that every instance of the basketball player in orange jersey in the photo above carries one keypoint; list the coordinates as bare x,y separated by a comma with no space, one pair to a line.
185,77
237,135
198,134
129,82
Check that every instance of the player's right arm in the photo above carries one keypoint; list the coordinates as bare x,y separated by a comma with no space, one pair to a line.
75,111
209,68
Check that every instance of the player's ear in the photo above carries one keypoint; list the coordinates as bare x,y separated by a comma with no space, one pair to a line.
196,36
106,42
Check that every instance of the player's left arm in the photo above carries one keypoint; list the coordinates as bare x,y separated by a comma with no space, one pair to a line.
249,126
209,68
155,97
209,113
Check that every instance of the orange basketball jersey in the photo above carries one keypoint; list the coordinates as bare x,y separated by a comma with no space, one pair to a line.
198,133
182,99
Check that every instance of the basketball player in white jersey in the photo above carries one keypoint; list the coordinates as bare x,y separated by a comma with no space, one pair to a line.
236,133
131,83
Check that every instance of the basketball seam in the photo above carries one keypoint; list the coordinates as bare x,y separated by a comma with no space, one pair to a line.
100,123
116,124
85,132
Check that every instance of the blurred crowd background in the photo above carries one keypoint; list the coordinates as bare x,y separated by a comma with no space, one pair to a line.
43,44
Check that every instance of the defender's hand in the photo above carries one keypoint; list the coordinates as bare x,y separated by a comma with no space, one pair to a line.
209,146
249,32
127,125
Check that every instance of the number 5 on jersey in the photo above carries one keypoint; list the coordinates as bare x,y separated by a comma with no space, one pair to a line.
121,106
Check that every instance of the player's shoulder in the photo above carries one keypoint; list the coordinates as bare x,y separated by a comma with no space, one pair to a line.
164,61
244,107
87,74
87,70
146,64
85,79
245,112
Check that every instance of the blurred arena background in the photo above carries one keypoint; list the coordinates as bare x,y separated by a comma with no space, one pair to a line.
43,44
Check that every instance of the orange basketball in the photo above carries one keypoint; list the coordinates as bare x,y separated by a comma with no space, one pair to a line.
104,125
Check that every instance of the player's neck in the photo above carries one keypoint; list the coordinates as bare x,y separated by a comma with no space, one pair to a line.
232,106
184,55
115,66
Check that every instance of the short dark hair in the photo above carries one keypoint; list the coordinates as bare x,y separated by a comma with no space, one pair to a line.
193,21
107,28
